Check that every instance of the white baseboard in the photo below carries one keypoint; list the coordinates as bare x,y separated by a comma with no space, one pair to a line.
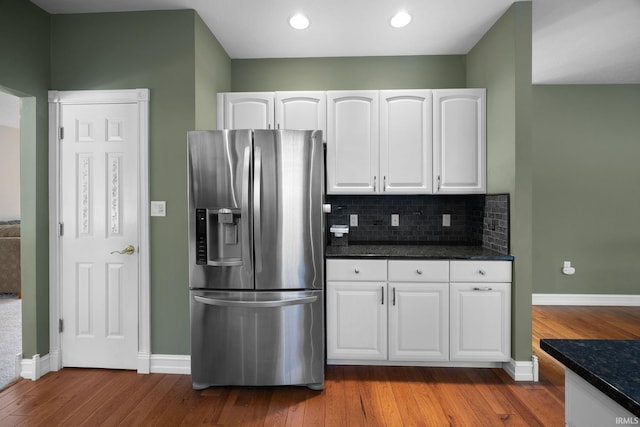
170,364
144,362
520,370
34,368
585,299
37,366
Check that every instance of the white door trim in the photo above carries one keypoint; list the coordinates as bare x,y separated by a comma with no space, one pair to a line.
56,100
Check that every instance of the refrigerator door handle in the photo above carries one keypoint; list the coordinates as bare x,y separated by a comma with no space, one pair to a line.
256,304
257,197
246,231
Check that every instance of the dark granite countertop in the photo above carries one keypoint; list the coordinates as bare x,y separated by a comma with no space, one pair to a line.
611,366
415,251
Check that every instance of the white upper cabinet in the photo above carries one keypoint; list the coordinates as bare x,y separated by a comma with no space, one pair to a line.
301,110
246,110
352,142
273,110
406,141
459,118
380,142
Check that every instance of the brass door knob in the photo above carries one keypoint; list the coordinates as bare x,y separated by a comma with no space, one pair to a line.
129,250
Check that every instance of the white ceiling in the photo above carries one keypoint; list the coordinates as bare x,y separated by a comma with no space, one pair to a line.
574,41
586,41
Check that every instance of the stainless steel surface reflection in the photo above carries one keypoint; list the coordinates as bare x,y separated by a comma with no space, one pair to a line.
256,257
258,338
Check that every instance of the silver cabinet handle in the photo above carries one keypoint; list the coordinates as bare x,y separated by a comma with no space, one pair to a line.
419,271
375,183
356,270
482,272
439,182
486,288
384,183
394,296
382,293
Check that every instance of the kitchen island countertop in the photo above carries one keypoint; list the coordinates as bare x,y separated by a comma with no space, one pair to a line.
457,252
611,366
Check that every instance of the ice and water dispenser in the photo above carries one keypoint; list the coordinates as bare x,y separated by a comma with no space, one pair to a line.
218,237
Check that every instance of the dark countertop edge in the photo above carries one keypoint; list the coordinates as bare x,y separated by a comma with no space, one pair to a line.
403,251
593,379
427,257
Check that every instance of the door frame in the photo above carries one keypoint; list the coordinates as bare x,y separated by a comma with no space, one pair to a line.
126,96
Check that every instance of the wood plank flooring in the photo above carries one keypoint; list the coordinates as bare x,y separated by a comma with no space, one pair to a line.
353,395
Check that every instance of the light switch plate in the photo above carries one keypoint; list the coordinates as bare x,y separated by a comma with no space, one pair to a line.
395,220
446,220
158,208
353,220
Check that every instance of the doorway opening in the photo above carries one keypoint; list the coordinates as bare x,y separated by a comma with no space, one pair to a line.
10,218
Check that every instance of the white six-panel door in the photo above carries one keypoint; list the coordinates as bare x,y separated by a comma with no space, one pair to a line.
99,202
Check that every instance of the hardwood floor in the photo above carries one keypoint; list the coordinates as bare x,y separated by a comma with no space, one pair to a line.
353,395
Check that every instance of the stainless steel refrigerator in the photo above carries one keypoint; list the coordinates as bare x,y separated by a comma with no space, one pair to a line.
256,257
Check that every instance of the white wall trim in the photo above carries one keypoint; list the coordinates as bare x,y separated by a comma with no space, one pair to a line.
171,364
520,370
34,368
585,299
179,364
56,100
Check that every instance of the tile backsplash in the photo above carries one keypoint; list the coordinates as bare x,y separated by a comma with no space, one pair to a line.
495,234
478,220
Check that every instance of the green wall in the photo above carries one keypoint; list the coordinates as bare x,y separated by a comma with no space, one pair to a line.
571,149
172,54
391,72
213,75
501,62
586,188
24,72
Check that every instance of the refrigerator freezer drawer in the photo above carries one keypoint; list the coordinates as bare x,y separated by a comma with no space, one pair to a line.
257,338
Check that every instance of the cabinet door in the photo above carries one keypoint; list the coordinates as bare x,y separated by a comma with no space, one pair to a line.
302,110
248,110
459,141
419,321
356,320
406,141
480,321
352,142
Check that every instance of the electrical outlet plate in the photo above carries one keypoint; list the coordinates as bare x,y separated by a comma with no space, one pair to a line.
158,208
446,220
353,220
395,220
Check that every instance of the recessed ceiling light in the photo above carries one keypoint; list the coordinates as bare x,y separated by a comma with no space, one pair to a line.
299,21
400,19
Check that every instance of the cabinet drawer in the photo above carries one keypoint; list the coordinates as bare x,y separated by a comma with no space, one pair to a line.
357,269
419,271
480,271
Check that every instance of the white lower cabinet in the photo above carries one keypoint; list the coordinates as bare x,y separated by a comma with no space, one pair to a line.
357,309
480,293
419,321
356,320
408,311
